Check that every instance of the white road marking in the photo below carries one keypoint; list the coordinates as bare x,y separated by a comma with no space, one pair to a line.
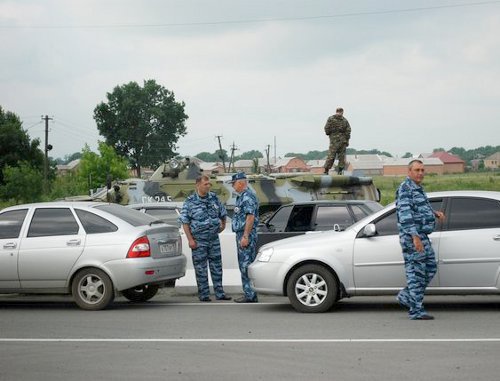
298,341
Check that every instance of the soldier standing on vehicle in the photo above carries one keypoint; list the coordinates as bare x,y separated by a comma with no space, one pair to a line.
203,217
244,224
338,129
416,220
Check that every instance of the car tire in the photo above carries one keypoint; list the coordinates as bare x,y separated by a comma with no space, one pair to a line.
92,289
141,294
312,288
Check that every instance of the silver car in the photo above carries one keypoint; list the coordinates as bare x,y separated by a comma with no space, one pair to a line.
91,250
317,270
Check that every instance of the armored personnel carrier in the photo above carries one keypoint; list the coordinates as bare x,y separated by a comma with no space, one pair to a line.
175,180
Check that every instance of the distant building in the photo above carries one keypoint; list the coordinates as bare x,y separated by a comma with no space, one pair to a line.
290,164
64,169
452,163
366,165
492,161
399,167
316,166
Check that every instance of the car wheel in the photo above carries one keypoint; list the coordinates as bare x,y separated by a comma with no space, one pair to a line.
92,289
312,288
141,294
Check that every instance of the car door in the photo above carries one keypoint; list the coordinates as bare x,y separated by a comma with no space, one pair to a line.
469,251
11,223
51,246
275,227
378,261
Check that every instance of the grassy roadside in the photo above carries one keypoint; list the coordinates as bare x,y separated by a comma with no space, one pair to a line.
433,183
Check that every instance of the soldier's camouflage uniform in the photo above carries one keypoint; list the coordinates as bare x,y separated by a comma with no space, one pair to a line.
246,203
415,217
338,129
203,215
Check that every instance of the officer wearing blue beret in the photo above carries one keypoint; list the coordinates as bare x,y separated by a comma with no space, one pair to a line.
244,224
203,217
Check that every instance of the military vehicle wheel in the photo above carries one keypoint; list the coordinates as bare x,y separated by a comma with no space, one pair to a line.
312,288
141,294
92,289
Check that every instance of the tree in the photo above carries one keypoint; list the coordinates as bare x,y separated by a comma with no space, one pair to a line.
23,183
250,155
407,155
97,169
143,124
15,144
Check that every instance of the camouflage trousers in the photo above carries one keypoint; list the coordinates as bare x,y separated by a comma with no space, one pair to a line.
420,268
208,251
337,149
245,258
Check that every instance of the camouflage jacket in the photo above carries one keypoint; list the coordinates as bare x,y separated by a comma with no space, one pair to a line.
338,126
414,212
246,203
203,214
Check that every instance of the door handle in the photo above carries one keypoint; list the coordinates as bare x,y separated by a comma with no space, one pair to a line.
10,245
73,242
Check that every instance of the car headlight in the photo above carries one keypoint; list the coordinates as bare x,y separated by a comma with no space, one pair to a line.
265,255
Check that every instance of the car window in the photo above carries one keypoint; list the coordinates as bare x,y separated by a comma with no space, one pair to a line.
387,225
329,215
52,221
280,218
300,218
132,216
359,212
11,223
170,216
94,224
473,213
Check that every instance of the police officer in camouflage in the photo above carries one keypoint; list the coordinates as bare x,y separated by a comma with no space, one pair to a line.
203,217
416,220
244,224
338,129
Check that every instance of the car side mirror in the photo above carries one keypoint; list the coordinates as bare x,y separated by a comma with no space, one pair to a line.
369,230
336,227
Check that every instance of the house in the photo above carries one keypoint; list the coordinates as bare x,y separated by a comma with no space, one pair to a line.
452,163
246,166
399,167
316,166
64,169
290,164
366,165
492,161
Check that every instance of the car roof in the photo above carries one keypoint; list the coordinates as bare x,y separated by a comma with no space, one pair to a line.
156,205
332,202
466,193
57,204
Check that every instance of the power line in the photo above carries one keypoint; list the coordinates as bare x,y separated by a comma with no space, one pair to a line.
253,21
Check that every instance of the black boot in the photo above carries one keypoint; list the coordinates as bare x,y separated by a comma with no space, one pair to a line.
326,171
340,170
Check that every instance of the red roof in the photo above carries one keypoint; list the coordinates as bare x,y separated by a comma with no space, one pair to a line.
447,158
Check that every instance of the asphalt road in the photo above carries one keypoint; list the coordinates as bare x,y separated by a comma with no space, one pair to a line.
175,337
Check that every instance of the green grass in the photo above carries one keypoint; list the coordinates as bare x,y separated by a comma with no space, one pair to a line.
433,183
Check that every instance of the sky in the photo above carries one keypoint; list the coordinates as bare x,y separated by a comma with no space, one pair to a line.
411,76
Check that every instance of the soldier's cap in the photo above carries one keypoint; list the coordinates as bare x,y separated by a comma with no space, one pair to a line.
238,176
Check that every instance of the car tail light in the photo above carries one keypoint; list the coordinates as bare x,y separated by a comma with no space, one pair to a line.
140,248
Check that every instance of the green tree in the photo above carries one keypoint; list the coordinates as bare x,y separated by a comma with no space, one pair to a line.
23,183
407,155
143,124
15,144
250,155
96,169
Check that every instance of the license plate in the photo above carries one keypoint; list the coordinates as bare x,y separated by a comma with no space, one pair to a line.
168,248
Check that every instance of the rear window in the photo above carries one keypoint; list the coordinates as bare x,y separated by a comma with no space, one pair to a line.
11,223
133,217
94,224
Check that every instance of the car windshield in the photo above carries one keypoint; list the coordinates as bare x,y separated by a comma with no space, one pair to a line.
133,217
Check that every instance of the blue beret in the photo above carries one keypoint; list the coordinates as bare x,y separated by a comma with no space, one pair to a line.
238,176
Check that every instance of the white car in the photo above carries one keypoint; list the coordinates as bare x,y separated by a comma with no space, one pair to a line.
92,250
317,270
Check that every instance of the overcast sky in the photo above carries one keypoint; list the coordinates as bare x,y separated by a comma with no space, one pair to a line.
410,75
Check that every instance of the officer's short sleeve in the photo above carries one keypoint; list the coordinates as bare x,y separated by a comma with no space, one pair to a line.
184,215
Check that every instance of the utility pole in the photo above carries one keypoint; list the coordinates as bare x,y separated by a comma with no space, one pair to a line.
268,165
48,147
233,148
221,154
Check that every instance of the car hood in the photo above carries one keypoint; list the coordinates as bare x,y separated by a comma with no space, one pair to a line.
310,239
